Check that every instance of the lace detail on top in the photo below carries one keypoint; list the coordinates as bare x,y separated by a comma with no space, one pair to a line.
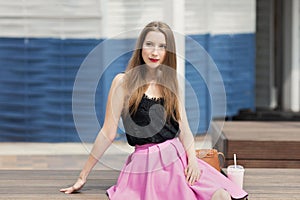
157,99
148,124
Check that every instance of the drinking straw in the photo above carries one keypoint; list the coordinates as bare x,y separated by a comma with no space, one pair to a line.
234,159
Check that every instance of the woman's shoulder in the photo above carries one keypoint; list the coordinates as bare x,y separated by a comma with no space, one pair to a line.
118,82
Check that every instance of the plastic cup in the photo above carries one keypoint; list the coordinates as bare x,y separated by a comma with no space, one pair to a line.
236,174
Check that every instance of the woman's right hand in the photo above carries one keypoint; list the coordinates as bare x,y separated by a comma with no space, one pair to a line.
77,186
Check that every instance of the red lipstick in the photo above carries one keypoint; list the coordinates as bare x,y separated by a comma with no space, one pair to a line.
153,60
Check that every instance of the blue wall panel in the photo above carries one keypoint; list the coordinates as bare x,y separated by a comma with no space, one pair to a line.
37,78
36,81
196,106
116,66
234,57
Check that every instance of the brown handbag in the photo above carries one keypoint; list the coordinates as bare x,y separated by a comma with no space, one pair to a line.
211,156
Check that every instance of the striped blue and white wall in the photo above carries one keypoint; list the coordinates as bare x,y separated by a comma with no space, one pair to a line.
226,29
42,45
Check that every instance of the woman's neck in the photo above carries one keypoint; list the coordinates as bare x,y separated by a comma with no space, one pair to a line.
151,76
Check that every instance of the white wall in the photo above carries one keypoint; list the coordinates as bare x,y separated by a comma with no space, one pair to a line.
55,18
220,17
83,19
128,15
295,71
291,93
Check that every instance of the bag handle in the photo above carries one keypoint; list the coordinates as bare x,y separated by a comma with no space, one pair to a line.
223,156
204,153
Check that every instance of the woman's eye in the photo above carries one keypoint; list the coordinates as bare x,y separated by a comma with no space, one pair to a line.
153,45
163,46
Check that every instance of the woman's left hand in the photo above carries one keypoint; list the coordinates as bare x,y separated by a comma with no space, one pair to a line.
192,172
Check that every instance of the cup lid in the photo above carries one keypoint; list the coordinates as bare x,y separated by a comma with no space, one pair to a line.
237,167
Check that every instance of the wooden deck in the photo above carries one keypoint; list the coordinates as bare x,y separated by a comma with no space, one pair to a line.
261,184
261,144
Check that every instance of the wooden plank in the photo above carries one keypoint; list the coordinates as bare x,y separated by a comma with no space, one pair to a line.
266,163
276,144
262,131
275,184
45,184
263,150
267,184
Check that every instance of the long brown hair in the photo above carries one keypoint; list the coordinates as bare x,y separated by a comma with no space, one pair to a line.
135,74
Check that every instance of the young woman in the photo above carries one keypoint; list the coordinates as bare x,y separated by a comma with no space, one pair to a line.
164,164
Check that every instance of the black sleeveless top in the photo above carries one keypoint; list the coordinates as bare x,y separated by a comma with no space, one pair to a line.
148,124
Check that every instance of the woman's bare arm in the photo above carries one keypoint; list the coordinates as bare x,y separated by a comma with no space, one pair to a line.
106,135
186,137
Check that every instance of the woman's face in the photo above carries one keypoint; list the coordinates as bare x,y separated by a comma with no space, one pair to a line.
154,49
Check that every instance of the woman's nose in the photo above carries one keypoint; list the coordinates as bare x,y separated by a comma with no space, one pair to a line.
155,51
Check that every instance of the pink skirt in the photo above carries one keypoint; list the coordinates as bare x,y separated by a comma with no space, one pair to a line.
156,171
